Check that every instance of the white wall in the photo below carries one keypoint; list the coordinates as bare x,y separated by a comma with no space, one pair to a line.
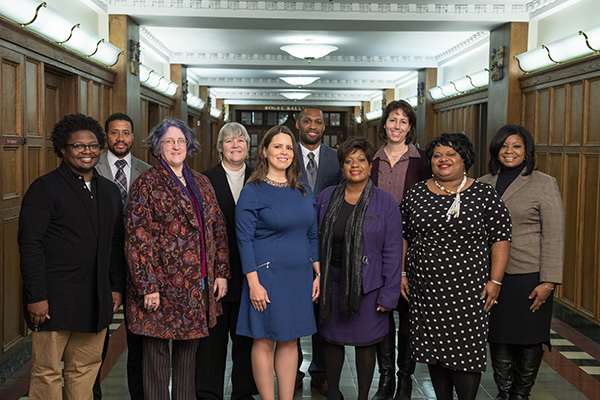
578,16
408,89
79,13
473,61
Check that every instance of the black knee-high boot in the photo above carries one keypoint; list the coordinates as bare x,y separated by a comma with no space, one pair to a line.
406,368
502,362
386,351
527,364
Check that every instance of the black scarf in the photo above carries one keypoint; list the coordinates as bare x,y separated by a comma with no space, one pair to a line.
351,283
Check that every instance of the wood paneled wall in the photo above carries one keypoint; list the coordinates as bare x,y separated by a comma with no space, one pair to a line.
560,108
465,114
39,83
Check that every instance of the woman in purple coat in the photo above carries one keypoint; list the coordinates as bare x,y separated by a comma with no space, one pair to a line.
361,262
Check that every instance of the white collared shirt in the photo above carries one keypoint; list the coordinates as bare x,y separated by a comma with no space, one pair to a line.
305,152
111,158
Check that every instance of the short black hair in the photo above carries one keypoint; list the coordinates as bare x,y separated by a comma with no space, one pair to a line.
458,141
498,141
117,117
408,110
71,123
303,111
355,143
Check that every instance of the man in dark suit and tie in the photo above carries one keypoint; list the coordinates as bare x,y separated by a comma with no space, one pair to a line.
320,169
72,262
121,167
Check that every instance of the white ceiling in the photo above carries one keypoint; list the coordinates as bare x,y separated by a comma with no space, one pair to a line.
234,46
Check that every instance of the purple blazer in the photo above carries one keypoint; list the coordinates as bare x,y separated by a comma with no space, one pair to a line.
382,244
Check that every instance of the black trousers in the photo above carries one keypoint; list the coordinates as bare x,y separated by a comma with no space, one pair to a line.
158,362
211,356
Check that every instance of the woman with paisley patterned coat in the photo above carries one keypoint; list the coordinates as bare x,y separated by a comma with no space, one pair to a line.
177,251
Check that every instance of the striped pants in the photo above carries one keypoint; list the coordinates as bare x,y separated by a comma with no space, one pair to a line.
157,365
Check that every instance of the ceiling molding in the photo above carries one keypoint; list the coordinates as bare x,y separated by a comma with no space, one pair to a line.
463,46
155,43
277,83
241,59
347,7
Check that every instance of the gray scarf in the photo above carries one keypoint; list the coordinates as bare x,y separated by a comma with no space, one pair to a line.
351,283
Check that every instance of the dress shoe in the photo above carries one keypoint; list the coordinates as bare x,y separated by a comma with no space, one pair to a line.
297,386
321,385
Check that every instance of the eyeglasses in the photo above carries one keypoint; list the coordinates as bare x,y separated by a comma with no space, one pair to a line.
171,142
80,147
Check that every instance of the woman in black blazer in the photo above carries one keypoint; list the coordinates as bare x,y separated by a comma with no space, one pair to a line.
228,177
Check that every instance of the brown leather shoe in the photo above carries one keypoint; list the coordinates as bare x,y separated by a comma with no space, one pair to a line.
297,386
321,385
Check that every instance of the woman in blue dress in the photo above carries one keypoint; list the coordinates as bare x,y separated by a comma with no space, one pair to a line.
276,224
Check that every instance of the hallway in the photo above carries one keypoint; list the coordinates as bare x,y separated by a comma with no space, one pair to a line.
570,371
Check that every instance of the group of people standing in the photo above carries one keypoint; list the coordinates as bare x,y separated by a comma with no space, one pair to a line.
311,242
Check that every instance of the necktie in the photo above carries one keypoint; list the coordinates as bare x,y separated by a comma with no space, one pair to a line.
311,170
121,179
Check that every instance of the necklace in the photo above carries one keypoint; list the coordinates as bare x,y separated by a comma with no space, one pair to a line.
448,190
454,209
389,153
275,183
181,178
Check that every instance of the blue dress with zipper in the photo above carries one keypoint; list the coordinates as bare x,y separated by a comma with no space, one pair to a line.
278,238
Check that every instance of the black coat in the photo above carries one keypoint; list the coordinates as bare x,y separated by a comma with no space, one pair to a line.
218,179
72,250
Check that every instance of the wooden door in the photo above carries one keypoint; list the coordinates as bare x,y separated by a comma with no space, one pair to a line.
12,186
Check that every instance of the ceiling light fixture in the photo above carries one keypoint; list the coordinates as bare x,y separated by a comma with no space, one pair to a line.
299,80
308,51
296,95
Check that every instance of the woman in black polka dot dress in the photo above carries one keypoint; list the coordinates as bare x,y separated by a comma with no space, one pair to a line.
457,232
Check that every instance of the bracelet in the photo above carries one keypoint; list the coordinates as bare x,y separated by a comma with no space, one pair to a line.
317,274
403,273
547,287
496,282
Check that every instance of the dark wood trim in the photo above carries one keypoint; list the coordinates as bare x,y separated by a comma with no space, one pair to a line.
156,97
34,46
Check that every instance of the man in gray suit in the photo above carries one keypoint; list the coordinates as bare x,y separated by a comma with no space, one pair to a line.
320,169
121,167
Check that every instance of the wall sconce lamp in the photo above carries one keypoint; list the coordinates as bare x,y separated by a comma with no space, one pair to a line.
470,82
371,115
215,112
152,80
195,102
50,23
569,48
413,101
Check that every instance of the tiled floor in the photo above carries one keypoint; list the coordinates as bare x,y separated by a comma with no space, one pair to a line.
575,358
